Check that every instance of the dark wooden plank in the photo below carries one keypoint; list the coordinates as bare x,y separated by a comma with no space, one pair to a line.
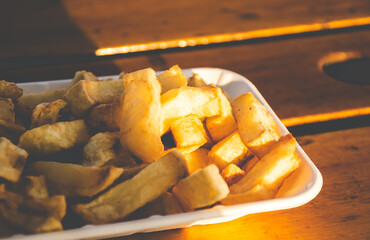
284,70
340,211
54,28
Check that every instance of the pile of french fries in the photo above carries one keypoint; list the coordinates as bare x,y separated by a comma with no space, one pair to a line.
107,150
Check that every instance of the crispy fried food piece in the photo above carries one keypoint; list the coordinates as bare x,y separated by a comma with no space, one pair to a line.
83,75
188,133
257,193
172,78
7,110
11,131
35,187
100,149
141,115
250,164
196,81
75,180
53,138
106,116
224,124
12,160
27,102
47,113
229,150
183,101
86,94
202,188
257,128
10,90
128,196
267,175
232,174
33,215
197,159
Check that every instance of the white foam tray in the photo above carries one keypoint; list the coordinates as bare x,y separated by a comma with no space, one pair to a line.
301,186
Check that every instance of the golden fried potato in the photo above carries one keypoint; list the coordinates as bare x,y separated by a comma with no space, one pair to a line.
140,127
197,159
224,124
128,196
9,90
232,174
27,102
53,138
181,102
257,128
85,94
196,81
35,187
12,160
75,180
188,133
100,149
7,110
229,150
202,188
250,164
82,75
33,215
47,113
267,175
172,78
106,116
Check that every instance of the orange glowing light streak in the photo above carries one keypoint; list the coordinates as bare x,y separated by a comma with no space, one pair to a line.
294,121
231,37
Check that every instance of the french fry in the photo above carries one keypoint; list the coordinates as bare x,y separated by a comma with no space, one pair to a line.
232,174
172,78
53,138
229,150
128,196
12,160
267,175
9,90
224,124
75,180
202,188
106,116
85,94
257,128
183,101
47,113
196,81
7,110
82,75
100,149
35,187
141,115
188,133
197,159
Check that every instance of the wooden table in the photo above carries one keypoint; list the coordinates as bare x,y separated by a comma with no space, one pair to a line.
51,40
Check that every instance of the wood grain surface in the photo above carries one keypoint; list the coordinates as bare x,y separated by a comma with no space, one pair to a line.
340,211
55,28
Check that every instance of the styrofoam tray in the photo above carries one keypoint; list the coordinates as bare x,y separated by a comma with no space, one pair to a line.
299,188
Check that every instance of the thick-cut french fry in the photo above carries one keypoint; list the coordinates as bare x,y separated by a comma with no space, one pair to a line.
85,94
181,102
257,193
141,115
229,150
47,113
53,138
12,160
9,90
224,124
196,81
202,188
197,159
272,169
75,180
172,78
188,133
83,75
106,116
100,149
232,174
126,197
257,128
33,215
35,187
7,110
